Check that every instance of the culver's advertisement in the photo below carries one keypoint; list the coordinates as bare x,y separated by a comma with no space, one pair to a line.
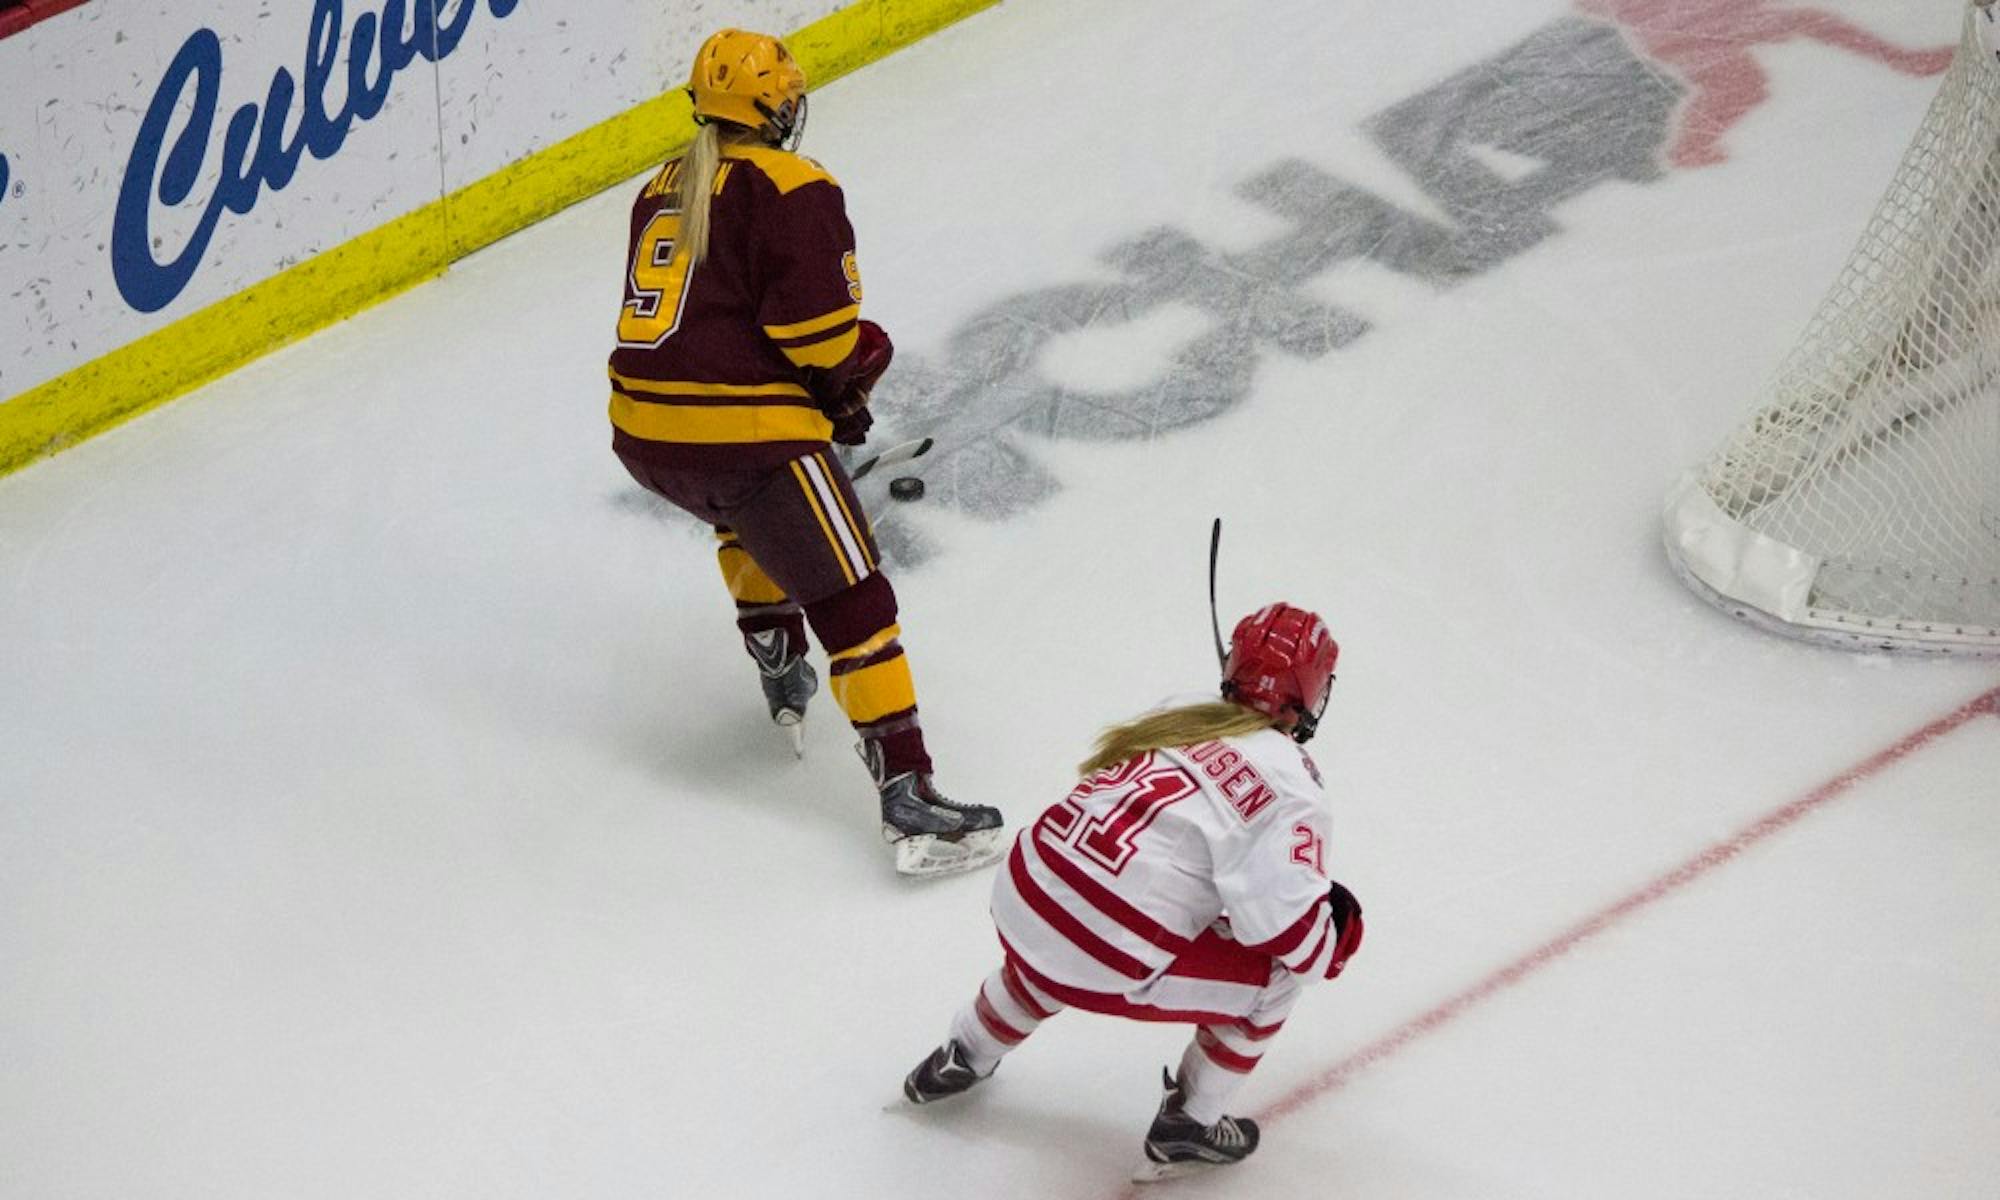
158,157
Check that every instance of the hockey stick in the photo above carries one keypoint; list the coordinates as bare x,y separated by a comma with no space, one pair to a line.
898,453
1214,622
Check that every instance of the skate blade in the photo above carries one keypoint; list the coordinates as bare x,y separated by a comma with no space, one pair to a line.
794,724
1156,1172
927,856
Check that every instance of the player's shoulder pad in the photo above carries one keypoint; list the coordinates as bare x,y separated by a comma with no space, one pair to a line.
787,171
1312,768
1285,764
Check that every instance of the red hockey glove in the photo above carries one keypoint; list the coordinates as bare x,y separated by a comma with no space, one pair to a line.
1346,925
872,352
850,414
851,428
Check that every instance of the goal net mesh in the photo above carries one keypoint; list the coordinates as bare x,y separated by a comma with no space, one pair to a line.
1868,477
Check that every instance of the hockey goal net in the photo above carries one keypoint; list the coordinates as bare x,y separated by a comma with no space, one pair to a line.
1860,503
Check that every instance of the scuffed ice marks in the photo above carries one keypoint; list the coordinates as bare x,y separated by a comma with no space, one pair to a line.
1572,97
1571,101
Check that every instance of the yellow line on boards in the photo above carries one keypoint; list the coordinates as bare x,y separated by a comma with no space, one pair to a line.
348,278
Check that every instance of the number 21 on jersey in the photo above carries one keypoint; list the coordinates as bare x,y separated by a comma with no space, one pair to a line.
1309,849
1142,788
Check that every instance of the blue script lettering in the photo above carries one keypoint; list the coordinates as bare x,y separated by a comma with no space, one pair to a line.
257,153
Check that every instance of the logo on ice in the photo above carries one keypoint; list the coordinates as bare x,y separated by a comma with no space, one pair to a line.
1615,90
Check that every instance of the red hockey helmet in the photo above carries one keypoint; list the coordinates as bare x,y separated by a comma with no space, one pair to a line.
1281,664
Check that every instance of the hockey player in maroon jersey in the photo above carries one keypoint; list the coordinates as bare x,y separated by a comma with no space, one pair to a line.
1183,880
741,355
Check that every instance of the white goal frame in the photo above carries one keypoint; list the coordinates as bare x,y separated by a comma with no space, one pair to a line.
1860,503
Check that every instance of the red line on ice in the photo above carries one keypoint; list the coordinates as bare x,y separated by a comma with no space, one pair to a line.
1341,1073
1694,868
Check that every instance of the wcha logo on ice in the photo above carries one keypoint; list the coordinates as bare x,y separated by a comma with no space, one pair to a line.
256,154
1622,91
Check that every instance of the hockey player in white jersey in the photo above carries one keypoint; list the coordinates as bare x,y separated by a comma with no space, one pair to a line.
1183,880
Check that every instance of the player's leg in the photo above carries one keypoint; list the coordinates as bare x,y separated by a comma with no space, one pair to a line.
1247,997
774,631
809,533
1193,1121
1003,1012
771,622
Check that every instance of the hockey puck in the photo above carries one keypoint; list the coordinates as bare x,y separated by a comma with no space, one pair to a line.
906,487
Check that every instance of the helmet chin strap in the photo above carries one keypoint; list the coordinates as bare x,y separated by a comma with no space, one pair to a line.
784,135
1304,726
1308,722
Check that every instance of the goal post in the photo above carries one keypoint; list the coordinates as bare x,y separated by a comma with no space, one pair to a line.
1859,504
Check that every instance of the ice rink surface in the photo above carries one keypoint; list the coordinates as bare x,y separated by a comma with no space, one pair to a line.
387,809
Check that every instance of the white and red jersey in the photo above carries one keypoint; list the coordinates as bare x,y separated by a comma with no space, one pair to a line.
1108,888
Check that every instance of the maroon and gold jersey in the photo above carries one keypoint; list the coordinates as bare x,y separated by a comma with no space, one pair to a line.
728,363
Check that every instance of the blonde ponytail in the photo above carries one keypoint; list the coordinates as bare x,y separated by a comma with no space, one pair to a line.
694,186
1187,725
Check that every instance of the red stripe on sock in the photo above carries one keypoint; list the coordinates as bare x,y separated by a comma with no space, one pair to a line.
1011,979
994,1025
1221,1055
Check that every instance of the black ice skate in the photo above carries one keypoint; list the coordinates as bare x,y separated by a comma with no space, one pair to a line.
1178,1145
789,682
943,1073
932,835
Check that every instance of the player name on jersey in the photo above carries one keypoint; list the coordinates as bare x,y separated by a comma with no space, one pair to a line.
1234,777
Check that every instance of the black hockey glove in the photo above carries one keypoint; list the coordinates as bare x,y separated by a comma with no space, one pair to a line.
851,428
1347,926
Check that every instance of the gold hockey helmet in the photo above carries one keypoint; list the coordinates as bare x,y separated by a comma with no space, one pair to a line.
749,79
